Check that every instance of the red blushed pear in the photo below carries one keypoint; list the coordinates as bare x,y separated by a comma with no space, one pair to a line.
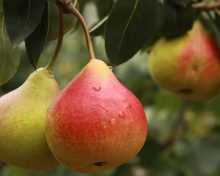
189,65
95,123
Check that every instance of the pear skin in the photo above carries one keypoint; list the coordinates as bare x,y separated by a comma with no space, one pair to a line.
188,66
95,123
22,123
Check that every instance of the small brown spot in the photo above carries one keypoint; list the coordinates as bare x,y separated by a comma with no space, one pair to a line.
195,67
187,91
99,164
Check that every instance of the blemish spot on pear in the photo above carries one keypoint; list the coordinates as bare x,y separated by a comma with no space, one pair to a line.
99,164
195,67
129,106
186,91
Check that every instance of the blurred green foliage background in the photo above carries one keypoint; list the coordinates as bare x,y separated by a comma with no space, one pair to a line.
183,136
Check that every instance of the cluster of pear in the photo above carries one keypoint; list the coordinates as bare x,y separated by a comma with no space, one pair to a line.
94,124
188,66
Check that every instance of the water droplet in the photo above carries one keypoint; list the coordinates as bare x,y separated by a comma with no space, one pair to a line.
97,88
112,121
121,114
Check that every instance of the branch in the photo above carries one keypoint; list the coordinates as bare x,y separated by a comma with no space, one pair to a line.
60,39
68,7
206,6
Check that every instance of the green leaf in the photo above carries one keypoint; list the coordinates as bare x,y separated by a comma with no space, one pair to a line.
131,24
217,30
217,20
22,17
9,57
182,3
1,6
150,152
176,20
212,26
35,42
99,28
125,169
104,7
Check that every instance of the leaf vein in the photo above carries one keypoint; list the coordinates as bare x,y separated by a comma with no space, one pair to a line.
126,27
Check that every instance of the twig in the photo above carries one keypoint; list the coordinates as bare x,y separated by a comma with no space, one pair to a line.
68,7
207,6
60,39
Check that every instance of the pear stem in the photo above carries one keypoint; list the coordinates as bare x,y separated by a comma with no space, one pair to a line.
206,6
60,39
68,7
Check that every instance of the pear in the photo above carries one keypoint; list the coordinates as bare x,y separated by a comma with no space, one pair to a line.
95,123
188,66
22,123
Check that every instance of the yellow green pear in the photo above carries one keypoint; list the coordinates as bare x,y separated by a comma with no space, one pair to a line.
188,66
22,123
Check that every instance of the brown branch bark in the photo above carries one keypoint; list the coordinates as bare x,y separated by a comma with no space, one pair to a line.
60,39
207,6
68,7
